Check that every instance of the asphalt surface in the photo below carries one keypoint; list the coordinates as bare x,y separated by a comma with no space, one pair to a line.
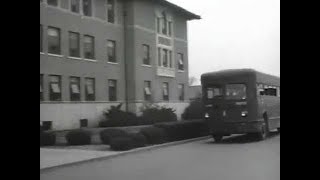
235,158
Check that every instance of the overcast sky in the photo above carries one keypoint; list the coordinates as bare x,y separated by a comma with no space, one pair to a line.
233,34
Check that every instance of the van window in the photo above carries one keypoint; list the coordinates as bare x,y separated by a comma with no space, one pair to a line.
236,91
213,92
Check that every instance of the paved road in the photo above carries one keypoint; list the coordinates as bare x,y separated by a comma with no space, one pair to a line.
236,158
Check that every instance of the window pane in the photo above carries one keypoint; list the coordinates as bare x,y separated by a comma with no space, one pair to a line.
75,6
74,44
180,62
111,50
111,11
112,90
165,58
165,91
87,7
158,24
55,88
236,91
74,88
170,28
213,92
88,47
181,92
146,55
170,59
90,89
53,40
159,57
53,2
147,90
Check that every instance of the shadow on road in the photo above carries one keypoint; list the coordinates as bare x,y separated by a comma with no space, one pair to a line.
241,139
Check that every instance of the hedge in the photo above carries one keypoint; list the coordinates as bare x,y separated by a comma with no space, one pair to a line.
107,134
47,139
78,137
154,135
139,140
121,143
184,129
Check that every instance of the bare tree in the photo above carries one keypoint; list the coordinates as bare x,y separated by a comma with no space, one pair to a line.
192,80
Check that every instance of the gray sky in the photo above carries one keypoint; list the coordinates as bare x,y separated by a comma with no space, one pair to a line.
233,34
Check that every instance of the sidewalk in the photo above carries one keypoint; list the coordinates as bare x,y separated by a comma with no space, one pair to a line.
55,157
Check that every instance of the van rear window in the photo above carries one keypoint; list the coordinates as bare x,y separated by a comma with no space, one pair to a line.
236,91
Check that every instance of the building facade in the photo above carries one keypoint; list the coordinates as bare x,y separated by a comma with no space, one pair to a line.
99,53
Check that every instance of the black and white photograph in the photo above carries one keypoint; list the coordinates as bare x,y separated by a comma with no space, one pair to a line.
159,90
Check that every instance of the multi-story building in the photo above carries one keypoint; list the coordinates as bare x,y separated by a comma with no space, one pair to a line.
99,53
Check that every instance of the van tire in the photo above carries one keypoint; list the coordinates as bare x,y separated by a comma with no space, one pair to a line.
263,133
217,138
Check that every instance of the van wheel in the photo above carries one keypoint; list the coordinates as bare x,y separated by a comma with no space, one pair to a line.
217,138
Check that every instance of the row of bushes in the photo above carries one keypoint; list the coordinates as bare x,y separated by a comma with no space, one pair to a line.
119,139
157,134
115,117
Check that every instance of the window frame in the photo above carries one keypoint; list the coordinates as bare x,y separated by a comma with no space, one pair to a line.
80,7
181,58
181,89
41,88
54,96
58,3
58,30
90,97
112,90
92,47
112,59
147,85
75,96
165,87
91,8
146,60
113,10
78,44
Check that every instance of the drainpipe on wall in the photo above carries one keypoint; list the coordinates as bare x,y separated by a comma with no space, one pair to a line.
125,53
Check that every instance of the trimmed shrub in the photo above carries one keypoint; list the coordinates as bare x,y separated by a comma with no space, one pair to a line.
139,140
121,143
156,114
115,117
47,139
107,134
154,135
78,137
195,110
184,129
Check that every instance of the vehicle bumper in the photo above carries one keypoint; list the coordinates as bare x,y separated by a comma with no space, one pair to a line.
235,127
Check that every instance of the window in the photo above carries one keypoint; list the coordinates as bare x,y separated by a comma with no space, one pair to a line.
270,90
74,44
170,58
159,57
87,7
214,92
111,49
90,89
169,28
74,88
112,90
164,23
158,24
181,92
54,40
75,6
236,91
165,58
41,38
147,90
88,46
180,62
41,87
146,54
110,7
52,2
55,88
165,91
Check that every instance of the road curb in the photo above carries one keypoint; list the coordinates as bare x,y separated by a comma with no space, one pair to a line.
124,153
